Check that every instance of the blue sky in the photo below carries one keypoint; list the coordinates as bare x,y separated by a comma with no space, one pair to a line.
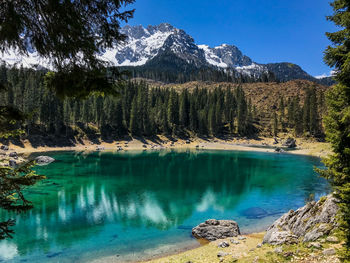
265,30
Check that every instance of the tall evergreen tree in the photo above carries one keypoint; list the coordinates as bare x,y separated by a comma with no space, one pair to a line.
337,122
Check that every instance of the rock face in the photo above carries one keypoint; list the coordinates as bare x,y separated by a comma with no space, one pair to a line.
44,160
213,229
306,224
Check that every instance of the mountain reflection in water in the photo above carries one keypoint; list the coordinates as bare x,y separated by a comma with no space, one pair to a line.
114,202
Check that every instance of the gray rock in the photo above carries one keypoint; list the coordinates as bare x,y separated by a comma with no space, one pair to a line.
280,237
44,160
4,147
12,163
290,143
278,250
259,245
315,245
308,223
279,150
13,154
223,244
100,148
329,252
213,229
241,238
332,239
222,254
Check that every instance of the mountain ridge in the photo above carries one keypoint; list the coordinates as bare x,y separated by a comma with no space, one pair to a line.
145,47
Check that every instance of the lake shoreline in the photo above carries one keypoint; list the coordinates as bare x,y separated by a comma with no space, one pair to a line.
263,145
304,147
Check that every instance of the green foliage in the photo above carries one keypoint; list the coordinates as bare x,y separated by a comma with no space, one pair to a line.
306,119
80,82
69,34
337,122
138,110
66,32
12,182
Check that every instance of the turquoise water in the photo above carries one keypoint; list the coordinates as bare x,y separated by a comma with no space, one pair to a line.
134,205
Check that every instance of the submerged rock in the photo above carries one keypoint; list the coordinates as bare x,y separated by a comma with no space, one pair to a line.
254,213
44,160
213,229
306,224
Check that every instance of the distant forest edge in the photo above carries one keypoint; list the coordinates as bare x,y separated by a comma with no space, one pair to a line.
146,110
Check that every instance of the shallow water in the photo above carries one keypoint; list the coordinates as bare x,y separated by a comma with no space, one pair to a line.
134,205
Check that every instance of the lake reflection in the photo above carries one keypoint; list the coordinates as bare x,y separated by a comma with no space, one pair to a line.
100,204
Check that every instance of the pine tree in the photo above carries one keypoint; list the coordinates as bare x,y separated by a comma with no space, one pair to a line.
184,108
337,121
172,111
134,118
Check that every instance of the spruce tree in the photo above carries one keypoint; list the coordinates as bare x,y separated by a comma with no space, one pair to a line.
134,118
337,121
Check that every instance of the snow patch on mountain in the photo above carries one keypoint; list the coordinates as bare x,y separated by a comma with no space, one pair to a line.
212,58
253,70
142,44
31,60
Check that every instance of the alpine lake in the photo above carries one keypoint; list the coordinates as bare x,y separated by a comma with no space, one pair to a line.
135,205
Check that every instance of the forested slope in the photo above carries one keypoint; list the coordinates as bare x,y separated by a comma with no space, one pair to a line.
190,109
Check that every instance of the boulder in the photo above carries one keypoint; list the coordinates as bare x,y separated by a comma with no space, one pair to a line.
279,150
332,239
213,229
222,254
223,244
12,163
306,224
44,160
13,155
100,148
4,147
290,143
235,242
329,252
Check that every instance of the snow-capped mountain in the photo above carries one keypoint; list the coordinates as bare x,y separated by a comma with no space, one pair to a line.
148,46
144,44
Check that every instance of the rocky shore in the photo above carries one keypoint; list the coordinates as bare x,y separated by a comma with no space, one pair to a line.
308,234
